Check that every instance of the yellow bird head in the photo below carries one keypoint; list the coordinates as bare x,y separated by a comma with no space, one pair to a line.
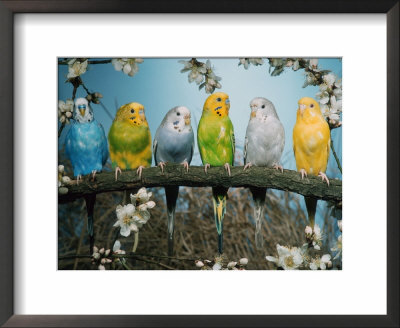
132,113
309,110
217,104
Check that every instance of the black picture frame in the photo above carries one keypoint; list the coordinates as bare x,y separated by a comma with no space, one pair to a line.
7,10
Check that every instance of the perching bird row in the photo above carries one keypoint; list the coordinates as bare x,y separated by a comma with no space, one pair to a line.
129,147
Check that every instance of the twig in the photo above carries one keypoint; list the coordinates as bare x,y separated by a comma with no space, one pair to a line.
336,157
130,256
92,62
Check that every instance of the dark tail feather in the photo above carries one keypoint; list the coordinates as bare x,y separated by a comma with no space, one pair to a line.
219,200
311,204
171,194
90,200
259,201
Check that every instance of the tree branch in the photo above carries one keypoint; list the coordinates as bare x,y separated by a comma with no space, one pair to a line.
175,175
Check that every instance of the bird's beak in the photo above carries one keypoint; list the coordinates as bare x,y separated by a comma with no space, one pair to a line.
302,107
253,113
82,111
187,119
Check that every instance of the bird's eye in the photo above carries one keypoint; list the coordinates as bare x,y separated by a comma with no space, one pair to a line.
312,106
132,111
178,114
263,106
218,99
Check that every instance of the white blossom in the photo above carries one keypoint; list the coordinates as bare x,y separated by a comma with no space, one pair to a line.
65,110
199,264
76,67
337,248
128,66
141,197
117,248
313,63
247,61
320,263
217,266
339,223
329,79
125,219
231,265
288,258
202,74
243,261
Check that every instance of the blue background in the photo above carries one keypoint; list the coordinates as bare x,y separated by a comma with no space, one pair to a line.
159,85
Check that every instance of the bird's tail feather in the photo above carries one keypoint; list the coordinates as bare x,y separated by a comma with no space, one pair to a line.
90,201
259,200
171,194
311,204
219,201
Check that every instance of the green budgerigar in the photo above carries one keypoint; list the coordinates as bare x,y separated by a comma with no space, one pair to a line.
216,142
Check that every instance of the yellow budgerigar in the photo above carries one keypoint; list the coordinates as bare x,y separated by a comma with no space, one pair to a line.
130,139
311,146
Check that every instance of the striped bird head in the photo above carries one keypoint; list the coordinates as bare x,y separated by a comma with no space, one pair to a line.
217,104
132,113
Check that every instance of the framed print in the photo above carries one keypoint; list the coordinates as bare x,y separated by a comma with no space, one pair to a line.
187,143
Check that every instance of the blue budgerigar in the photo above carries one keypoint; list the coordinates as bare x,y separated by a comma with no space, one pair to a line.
264,143
86,147
173,143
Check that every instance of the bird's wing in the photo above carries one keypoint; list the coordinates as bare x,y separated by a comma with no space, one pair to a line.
104,145
155,144
246,142
191,149
233,144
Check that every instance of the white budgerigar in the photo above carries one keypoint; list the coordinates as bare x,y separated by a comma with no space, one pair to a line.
264,143
173,143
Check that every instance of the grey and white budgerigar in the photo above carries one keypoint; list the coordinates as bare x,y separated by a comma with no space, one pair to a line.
264,144
173,143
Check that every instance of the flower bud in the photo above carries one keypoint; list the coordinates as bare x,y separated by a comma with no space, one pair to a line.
62,190
217,266
96,256
61,168
103,261
199,264
243,261
107,252
66,179
339,223
308,230
95,249
68,114
102,267
231,265
62,119
101,251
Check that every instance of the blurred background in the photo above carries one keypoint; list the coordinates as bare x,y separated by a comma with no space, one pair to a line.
159,85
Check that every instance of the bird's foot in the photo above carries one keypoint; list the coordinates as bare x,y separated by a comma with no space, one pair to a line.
78,178
162,165
185,165
139,171
248,165
278,167
227,168
117,169
324,177
206,167
93,174
303,173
